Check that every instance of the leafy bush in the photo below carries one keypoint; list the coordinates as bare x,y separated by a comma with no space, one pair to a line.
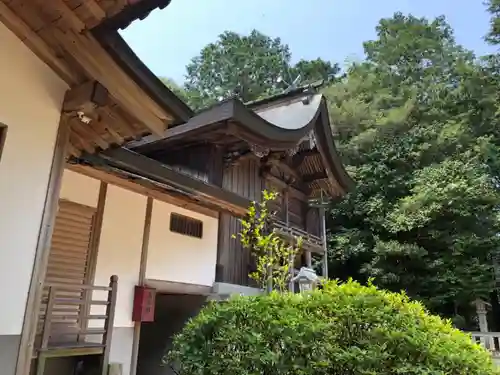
345,329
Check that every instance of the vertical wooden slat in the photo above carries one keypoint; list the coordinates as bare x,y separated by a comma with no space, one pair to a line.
70,254
323,236
308,258
108,324
48,318
3,136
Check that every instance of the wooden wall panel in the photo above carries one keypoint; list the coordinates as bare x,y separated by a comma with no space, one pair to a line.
199,161
233,261
313,223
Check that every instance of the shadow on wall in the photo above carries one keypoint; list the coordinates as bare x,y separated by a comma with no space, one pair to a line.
171,314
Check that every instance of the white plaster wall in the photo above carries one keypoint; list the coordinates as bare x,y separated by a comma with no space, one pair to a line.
30,103
80,189
119,254
120,245
176,257
120,248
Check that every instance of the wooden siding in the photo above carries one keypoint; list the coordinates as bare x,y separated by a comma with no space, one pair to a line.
244,178
296,212
313,221
201,161
69,256
234,262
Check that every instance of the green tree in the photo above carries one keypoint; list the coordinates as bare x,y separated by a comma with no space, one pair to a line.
342,329
248,67
415,126
273,254
493,36
176,89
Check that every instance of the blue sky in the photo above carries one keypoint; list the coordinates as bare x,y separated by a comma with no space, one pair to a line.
331,29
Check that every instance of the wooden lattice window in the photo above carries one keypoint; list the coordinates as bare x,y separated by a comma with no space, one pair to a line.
3,135
186,225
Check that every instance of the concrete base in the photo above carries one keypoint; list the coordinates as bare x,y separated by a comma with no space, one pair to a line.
496,361
120,354
9,347
223,291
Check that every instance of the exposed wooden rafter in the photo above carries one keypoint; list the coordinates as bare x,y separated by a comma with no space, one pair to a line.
24,32
315,176
284,185
85,98
68,18
112,107
284,167
96,11
298,158
98,64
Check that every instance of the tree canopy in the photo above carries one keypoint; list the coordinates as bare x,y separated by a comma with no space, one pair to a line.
248,67
416,123
493,36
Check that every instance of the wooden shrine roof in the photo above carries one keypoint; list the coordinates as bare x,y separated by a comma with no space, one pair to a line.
291,128
108,102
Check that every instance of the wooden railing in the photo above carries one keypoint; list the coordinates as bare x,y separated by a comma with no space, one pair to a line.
489,340
310,241
65,321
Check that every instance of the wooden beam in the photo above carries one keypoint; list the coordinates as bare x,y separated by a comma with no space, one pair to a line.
280,164
87,131
93,8
115,119
67,15
81,140
140,189
105,123
85,97
308,178
100,65
24,32
42,251
298,158
173,287
152,169
283,185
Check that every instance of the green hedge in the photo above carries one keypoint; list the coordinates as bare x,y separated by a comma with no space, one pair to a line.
345,329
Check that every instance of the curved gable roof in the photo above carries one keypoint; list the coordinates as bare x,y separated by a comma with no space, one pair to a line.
276,126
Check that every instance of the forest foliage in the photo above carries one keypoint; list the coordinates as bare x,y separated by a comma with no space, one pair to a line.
417,125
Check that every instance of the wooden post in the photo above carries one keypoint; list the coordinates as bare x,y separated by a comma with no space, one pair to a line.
141,279
47,321
40,363
95,239
286,202
323,236
108,324
308,259
42,250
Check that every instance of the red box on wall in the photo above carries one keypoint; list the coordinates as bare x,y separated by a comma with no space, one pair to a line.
144,304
